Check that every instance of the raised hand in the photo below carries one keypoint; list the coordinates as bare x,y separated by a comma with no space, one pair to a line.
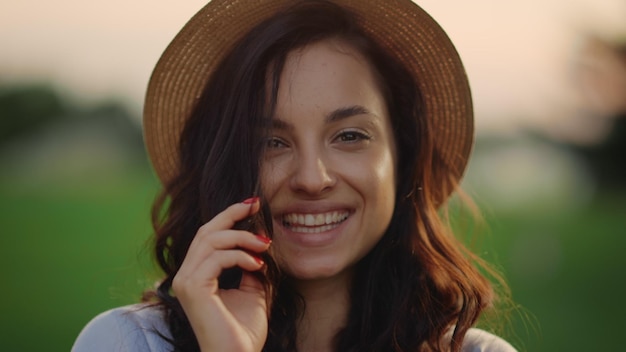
225,320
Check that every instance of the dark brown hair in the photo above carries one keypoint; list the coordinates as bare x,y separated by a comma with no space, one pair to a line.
417,284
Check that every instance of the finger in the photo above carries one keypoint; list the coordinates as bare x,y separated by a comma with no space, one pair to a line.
213,266
205,244
206,274
217,233
229,216
235,238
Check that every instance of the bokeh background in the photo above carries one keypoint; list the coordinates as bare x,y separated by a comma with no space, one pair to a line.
548,170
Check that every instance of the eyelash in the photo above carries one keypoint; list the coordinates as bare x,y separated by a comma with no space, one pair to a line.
347,136
356,136
274,142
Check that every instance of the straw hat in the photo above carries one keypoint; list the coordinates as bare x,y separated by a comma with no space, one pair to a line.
399,26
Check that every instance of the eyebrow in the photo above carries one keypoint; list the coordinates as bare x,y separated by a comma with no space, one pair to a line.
333,116
346,112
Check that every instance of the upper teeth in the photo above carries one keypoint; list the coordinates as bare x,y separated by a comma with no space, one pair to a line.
315,219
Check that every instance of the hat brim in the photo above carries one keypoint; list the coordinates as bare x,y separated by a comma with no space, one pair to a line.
399,26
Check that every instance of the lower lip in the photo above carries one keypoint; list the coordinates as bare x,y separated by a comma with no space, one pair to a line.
314,239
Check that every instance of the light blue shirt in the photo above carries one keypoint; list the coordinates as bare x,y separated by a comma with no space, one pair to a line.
136,328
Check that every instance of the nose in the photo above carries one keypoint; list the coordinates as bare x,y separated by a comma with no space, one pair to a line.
312,174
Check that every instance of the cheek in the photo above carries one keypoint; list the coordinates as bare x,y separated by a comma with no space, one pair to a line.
374,178
379,172
381,186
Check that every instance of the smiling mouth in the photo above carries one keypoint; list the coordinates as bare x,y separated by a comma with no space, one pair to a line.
314,223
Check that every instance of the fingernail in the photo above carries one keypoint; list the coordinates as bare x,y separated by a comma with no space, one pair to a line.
258,260
264,239
251,200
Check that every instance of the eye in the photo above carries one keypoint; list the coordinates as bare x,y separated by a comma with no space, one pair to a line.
275,143
352,136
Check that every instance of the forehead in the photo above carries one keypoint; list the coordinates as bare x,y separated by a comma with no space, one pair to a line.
327,75
336,58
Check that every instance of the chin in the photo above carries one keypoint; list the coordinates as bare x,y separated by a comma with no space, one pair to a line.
315,269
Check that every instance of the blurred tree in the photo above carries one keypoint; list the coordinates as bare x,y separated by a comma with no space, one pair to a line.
120,123
46,135
608,158
601,78
27,108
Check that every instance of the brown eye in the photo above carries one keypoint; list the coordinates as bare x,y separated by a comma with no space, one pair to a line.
352,136
275,143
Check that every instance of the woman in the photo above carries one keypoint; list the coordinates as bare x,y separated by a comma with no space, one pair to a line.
344,125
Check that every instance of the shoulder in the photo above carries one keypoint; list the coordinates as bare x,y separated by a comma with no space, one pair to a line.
138,327
477,340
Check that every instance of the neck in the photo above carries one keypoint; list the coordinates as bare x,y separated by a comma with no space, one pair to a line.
326,312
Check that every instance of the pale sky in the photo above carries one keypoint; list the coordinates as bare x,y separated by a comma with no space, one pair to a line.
517,53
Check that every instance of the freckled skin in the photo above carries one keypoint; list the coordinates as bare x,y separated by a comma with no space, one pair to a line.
317,163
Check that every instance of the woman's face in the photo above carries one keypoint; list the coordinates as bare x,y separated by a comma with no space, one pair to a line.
328,173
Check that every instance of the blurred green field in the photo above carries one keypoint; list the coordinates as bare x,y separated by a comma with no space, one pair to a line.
567,272
73,248
70,250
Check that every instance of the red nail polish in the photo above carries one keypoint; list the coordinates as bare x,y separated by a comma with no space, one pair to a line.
264,239
251,200
258,260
